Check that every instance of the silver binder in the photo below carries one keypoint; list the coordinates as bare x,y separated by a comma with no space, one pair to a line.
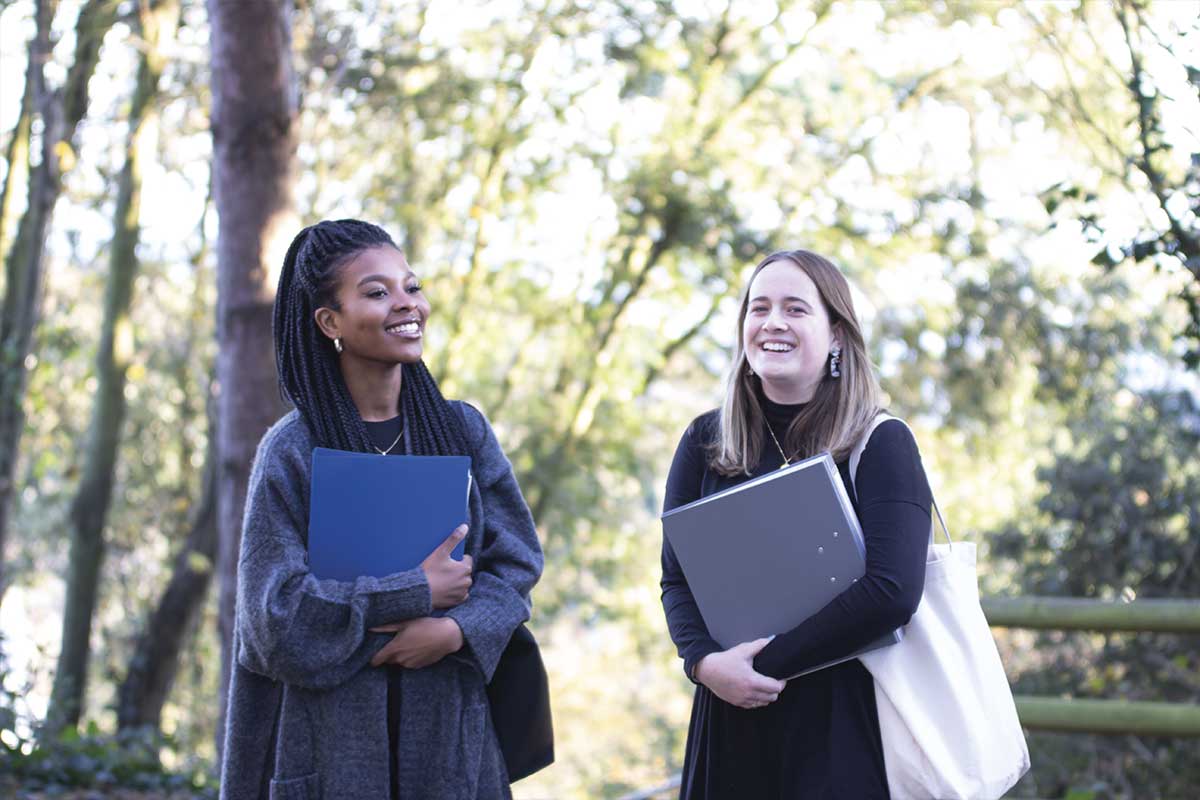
763,556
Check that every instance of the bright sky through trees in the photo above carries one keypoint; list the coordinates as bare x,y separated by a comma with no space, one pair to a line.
582,185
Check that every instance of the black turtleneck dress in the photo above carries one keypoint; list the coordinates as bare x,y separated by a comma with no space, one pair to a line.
820,739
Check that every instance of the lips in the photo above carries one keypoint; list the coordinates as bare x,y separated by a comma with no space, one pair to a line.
409,329
776,346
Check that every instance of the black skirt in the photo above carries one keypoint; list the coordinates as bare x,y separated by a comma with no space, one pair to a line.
819,741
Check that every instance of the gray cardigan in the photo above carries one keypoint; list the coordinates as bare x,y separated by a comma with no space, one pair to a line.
307,716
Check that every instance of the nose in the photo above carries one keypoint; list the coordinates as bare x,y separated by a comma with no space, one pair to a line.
775,321
401,300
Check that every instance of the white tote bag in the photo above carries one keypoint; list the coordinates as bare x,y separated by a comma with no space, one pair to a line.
946,713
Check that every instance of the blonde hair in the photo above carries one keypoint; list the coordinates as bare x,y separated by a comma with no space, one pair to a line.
840,409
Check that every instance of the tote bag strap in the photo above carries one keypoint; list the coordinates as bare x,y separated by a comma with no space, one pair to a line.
856,457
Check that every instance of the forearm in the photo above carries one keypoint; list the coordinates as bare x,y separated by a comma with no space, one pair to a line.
508,562
831,634
487,620
881,601
684,621
419,643
687,628
314,633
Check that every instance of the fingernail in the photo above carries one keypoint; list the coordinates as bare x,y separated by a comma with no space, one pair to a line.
771,637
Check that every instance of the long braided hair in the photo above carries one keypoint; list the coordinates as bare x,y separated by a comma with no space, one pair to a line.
307,363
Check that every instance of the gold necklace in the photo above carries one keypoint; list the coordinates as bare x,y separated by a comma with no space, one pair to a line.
786,461
395,442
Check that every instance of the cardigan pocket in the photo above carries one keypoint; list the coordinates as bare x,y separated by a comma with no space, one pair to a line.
306,787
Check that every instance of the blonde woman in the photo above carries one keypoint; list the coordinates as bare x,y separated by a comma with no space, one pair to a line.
801,383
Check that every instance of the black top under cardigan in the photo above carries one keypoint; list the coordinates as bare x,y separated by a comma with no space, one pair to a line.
820,739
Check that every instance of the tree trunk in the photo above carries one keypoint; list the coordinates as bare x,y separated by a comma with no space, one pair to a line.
17,155
254,111
22,271
60,116
171,624
89,508
156,655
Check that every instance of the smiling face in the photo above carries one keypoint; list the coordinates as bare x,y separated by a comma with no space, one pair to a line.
382,311
786,332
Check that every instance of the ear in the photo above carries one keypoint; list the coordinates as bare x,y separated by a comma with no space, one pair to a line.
836,337
328,321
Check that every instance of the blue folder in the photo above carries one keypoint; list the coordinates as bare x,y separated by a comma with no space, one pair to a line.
378,515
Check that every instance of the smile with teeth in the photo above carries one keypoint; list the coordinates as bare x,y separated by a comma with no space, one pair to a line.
411,328
778,347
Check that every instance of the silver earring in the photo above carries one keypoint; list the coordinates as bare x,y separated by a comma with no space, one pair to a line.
749,370
835,362
337,343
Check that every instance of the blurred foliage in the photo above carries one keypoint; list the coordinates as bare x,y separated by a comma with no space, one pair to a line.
582,186
117,765
100,761
1119,518
1155,76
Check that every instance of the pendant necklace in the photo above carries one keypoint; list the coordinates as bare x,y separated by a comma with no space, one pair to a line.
395,442
786,461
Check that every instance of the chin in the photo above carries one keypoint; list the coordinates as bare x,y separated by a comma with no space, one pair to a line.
773,372
400,355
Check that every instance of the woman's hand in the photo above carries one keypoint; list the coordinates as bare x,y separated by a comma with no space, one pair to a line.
730,676
418,642
449,580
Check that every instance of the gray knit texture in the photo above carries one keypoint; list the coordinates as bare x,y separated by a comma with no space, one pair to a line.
307,715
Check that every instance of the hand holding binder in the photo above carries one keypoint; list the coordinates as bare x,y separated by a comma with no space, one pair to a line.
763,556
418,642
378,515
449,580
730,675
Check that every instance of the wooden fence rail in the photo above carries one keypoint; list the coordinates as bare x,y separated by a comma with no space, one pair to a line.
1076,614
1082,715
1078,715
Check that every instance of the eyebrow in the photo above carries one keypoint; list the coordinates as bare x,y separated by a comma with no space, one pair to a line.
788,299
384,278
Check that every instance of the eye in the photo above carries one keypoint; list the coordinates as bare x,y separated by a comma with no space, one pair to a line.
798,310
377,293
413,288
757,309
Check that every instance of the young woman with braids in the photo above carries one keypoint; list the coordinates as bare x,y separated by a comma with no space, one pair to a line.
800,383
373,688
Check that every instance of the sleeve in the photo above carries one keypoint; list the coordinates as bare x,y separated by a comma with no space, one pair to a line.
684,622
508,561
291,626
893,508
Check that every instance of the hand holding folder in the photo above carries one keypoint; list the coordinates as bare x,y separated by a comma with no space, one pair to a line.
418,642
377,515
731,676
372,515
449,580
764,555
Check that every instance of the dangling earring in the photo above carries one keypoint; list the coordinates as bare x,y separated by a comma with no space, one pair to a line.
749,370
835,362
337,343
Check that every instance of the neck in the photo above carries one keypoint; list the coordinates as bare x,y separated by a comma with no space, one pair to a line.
375,389
789,394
